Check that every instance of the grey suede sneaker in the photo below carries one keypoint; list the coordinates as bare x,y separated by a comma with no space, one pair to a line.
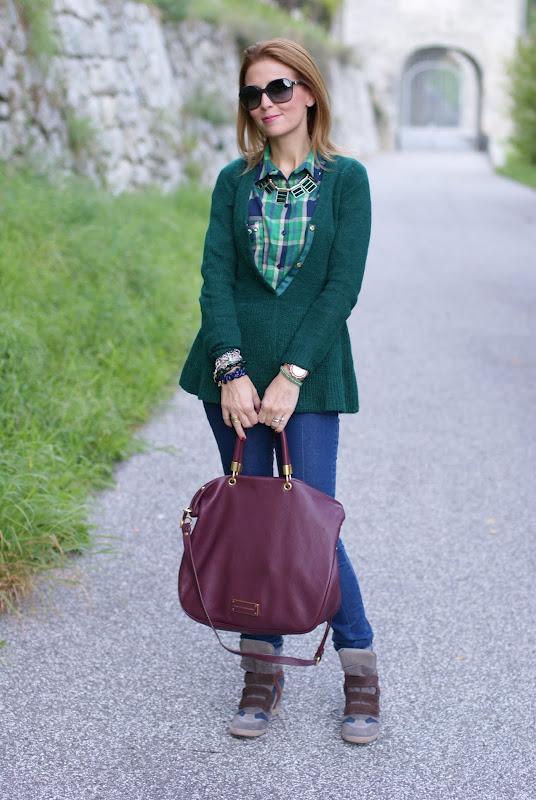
361,722
262,694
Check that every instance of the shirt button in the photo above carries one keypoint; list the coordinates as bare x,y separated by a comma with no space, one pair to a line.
311,227
299,264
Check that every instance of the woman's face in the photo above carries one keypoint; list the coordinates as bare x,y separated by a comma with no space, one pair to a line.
278,119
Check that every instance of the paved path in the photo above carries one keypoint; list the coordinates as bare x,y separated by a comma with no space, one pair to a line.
120,697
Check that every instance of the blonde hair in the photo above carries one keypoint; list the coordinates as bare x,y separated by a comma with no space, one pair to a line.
251,142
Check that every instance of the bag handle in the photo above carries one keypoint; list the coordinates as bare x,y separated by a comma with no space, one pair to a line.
238,456
288,660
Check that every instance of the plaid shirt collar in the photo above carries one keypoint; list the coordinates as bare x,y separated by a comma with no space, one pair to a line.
269,168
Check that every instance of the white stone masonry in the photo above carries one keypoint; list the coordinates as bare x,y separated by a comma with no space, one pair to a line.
131,101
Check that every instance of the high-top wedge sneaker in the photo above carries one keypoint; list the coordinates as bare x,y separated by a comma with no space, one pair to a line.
361,722
261,697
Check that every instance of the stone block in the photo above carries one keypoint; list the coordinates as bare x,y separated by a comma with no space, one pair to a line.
115,8
77,36
102,76
119,177
108,111
48,117
16,96
5,29
136,12
6,141
91,109
141,175
118,43
57,144
11,60
125,82
85,9
103,45
19,129
18,40
130,140
128,110
112,145
4,84
37,144
76,81
171,175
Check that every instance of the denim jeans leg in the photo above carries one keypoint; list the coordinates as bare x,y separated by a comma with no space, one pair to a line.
350,625
313,443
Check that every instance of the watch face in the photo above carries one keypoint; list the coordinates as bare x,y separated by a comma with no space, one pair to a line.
298,372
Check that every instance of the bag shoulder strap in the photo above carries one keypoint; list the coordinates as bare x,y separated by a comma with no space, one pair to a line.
288,660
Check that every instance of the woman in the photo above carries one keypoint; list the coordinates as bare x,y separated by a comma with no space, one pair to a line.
282,267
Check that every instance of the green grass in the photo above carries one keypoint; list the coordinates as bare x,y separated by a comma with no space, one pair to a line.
98,304
519,170
37,18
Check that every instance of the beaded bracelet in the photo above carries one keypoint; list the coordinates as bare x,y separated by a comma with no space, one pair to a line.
218,374
239,372
290,377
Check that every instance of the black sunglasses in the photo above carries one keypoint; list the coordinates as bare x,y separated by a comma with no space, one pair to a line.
279,91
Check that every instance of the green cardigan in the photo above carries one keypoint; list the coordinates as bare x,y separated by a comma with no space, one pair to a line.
301,322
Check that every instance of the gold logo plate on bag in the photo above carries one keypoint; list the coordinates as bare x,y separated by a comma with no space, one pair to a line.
245,607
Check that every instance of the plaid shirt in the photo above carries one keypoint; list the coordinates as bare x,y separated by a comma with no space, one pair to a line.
278,231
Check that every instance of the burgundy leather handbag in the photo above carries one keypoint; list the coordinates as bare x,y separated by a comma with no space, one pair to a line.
261,555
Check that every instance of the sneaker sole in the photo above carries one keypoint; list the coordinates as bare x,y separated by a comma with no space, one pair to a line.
360,739
246,734
253,734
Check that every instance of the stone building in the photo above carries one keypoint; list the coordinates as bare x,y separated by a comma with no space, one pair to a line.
437,69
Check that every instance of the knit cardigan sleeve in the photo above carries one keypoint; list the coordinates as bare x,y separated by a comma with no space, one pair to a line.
323,321
219,326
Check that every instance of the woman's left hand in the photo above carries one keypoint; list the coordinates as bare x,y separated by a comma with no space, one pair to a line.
279,401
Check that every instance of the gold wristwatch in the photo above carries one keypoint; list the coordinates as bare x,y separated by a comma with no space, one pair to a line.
298,372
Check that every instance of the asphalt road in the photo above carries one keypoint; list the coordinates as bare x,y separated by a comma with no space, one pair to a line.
117,695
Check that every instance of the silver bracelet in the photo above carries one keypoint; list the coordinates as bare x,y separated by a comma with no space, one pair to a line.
227,360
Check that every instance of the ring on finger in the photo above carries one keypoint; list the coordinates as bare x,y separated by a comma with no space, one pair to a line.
277,420
234,420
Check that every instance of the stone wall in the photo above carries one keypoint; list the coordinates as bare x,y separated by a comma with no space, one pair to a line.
131,101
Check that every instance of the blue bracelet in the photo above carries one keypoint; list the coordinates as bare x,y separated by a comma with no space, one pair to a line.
239,372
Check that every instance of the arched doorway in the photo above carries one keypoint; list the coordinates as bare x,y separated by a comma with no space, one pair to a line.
440,103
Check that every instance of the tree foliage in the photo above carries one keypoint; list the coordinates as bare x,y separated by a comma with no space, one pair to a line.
318,11
523,91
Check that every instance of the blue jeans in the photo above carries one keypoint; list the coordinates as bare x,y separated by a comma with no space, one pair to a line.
313,441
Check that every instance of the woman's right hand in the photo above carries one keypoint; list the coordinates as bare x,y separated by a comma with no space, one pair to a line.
240,404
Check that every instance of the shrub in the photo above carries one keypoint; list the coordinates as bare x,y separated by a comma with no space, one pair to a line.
523,91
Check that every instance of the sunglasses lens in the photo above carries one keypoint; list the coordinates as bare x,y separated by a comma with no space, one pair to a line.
280,90
250,97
